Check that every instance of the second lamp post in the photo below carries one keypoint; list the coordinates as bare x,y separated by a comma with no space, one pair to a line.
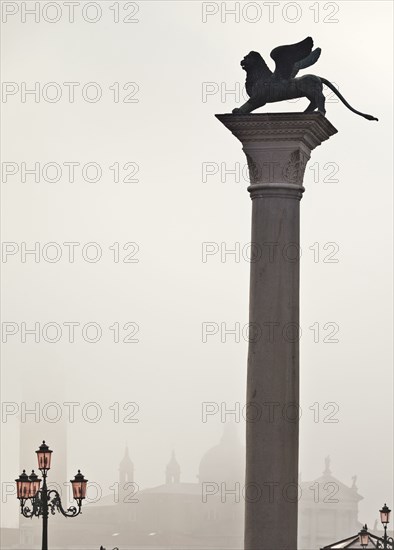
43,499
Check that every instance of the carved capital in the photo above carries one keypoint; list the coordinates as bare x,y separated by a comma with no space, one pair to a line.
294,169
276,164
277,148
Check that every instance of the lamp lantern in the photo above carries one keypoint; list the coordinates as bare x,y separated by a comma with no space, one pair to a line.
23,486
44,457
385,514
34,484
79,486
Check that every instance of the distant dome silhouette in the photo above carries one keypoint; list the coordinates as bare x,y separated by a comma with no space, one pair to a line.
225,461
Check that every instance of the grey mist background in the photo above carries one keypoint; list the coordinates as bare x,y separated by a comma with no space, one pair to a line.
137,102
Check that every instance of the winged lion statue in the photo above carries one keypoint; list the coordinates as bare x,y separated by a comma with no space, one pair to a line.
264,86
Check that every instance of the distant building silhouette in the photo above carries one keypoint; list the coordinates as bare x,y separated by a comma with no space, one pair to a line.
328,510
173,470
208,513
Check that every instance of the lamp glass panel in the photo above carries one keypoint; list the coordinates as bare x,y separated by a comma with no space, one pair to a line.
34,487
44,460
79,489
19,489
384,516
364,539
25,489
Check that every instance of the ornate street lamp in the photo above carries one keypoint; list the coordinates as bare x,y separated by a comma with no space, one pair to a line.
79,487
34,484
42,500
44,455
23,486
385,541
385,514
363,536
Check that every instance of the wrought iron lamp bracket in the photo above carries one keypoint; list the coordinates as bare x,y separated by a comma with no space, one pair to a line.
54,504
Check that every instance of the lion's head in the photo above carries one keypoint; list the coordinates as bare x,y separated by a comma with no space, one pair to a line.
253,61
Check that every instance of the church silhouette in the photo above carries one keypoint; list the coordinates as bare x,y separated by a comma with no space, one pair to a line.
205,514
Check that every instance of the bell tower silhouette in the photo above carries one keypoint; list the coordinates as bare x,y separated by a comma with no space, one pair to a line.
126,472
173,471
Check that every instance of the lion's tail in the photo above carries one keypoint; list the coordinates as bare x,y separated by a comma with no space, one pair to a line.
336,92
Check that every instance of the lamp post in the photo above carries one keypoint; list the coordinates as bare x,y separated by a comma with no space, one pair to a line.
384,542
363,536
42,500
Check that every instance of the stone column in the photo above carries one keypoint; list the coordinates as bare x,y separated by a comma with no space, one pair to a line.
277,148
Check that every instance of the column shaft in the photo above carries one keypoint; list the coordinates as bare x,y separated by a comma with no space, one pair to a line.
273,377
277,148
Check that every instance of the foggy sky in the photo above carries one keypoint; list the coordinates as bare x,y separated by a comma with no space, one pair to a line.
170,133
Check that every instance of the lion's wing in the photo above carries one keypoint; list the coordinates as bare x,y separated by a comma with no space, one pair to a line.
306,62
286,57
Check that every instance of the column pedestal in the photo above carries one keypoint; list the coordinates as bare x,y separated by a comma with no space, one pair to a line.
277,147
